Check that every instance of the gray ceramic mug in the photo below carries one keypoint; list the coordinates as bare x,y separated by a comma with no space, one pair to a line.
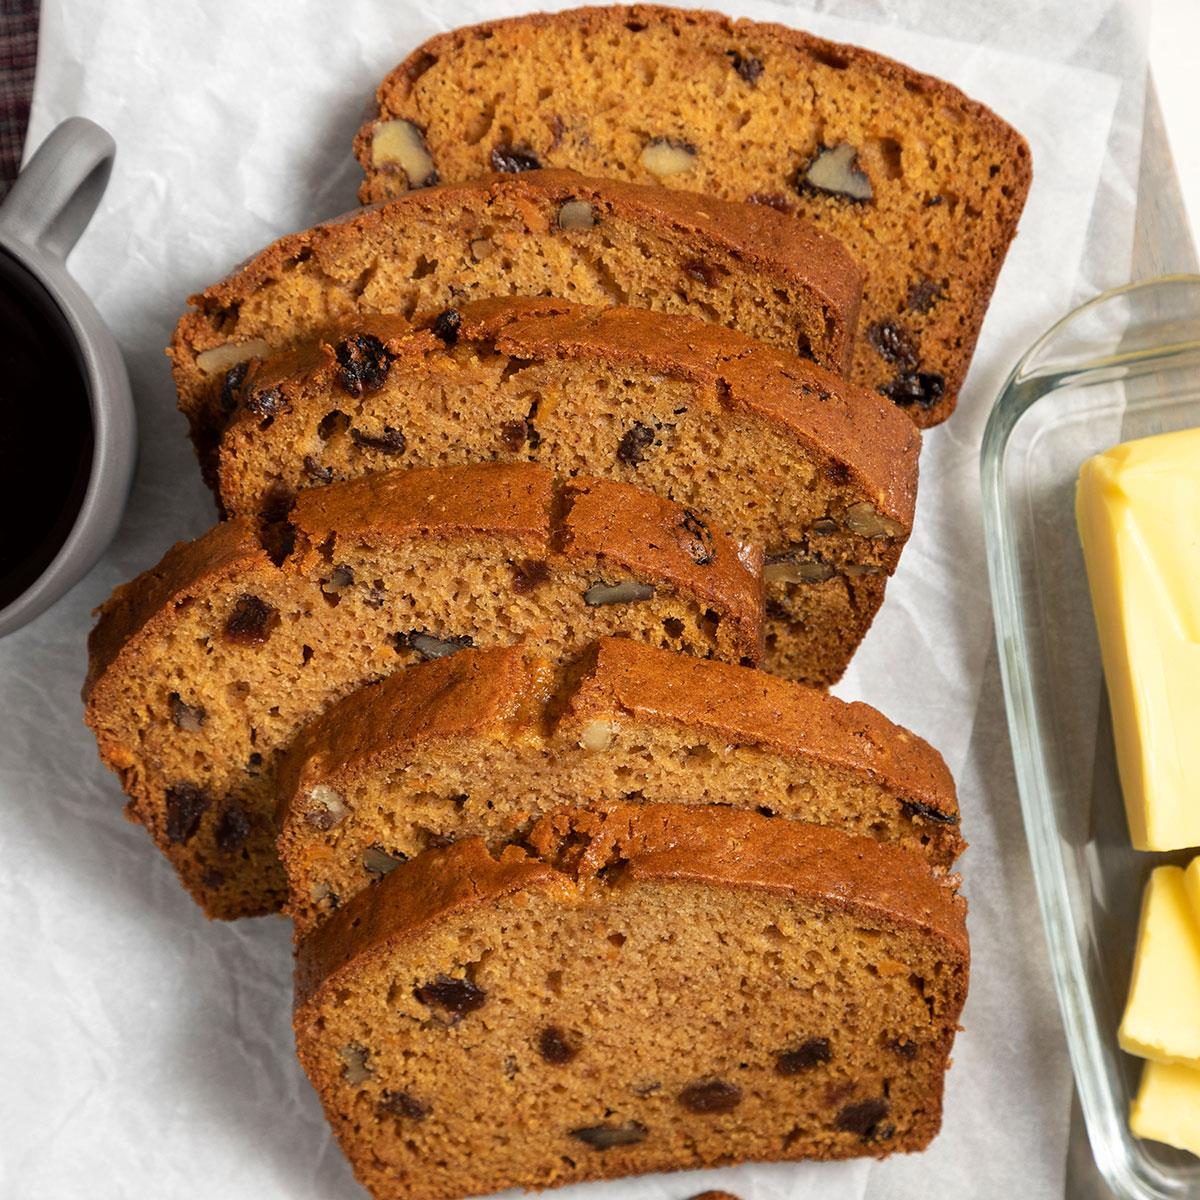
41,218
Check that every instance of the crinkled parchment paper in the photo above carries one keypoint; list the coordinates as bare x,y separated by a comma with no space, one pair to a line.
146,1052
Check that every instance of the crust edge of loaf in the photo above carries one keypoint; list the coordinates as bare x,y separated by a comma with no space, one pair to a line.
611,671
763,237
885,461
649,843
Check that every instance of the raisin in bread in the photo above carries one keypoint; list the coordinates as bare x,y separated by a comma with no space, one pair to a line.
820,473
486,742
203,668
923,185
645,990
551,233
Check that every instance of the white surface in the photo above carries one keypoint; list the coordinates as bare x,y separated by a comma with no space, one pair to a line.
147,1052
1174,51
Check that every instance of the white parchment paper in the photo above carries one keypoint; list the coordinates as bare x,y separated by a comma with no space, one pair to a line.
145,1052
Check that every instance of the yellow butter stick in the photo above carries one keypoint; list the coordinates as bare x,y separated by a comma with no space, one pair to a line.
1138,511
1167,1106
1162,1015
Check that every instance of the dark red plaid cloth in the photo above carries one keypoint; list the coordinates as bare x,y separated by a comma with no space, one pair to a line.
18,57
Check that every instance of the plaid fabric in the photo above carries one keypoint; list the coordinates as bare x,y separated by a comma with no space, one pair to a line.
18,57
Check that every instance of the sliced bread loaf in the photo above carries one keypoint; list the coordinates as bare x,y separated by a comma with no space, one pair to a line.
549,233
489,741
203,668
646,990
922,184
778,452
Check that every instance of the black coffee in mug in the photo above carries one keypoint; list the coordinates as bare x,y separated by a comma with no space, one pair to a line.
68,431
45,431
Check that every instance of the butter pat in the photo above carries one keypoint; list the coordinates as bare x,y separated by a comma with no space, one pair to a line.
1167,1106
1162,1015
1138,512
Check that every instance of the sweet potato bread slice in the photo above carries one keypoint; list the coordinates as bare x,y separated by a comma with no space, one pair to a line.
647,990
203,668
779,452
923,185
486,742
546,233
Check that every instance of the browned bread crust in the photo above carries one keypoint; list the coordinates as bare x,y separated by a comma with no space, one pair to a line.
600,967
204,667
934,182
829,416
583,522
488,741
662,841
795,456
775,279
230,548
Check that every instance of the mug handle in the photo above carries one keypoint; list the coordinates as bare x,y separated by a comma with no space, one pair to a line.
57,192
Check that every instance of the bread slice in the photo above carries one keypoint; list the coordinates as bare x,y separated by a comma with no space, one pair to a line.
487,742
203,668
648,990
922,184
551,233
778,452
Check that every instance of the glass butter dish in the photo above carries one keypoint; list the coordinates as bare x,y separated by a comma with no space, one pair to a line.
1125,365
